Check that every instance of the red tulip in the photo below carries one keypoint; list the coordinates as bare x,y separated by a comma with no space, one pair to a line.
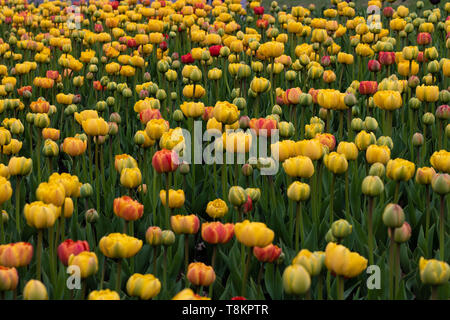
423,38
262,23
131,43
314,93
325,61
52,74
386,58
98,27
187,58
327,139
68,247
238,298
421,57
217,232
368,87
114,4
374,65
259,11
388,12
165,161
148,114
208,114
269,253
97,85
263,126
163,46
248,206
215,50
127,208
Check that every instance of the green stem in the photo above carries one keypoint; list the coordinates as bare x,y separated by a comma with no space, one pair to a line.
370,230
397,269
103,273
333,178
434,293
39,157
17,204
166,209
186,257
441,230
247,266
224,179
165,269
155,254
193,157
213,261
97,177
38,255
340,287
397,191
427,214
347,201
299,225
319,287
391,265
118,274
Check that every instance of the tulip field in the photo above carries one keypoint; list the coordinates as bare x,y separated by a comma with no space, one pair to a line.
224,150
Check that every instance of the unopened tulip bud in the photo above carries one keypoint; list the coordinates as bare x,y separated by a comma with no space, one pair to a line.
444,96
414,103
305,100
237,196
4,217
413,81
428,119
417,139
341,229
298,191
441,183
276,109
357,124
350,100
377,169
393,216
35,290
154,236
370,124
115,117
372,186
329,237
296,280
244,122
91,216
178,115
247,170
184,168
323,113
167,238
401,234
86,190
443,112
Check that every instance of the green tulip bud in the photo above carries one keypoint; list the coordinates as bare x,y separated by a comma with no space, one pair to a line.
377,169
393,216
372,186
341,229
441,183
167,238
